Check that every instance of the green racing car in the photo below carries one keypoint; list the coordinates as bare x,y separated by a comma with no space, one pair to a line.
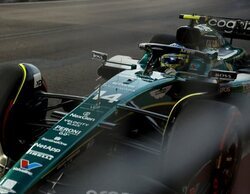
175,121
212,35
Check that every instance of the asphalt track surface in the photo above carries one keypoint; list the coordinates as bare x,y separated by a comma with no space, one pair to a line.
58,37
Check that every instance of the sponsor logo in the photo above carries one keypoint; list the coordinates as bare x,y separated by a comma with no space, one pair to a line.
40,155
23,171
160,93
225,89
75,123
229,25
7,186
26,167
85,116
224,75
46,147
64,131
56,140
37,80
25,164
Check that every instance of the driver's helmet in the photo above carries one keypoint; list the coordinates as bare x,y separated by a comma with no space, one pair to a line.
212,43
173,61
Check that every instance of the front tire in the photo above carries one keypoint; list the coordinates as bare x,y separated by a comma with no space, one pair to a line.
19,130
203,149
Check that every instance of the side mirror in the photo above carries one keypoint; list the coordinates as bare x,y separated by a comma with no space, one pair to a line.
99,56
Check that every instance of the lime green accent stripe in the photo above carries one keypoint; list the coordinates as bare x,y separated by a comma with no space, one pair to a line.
24,78
190,17
181,100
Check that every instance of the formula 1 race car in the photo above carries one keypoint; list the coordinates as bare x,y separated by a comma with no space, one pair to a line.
173,122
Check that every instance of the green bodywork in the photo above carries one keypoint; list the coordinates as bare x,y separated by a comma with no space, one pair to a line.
74,131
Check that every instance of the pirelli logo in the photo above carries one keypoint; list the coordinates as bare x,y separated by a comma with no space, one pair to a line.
40,155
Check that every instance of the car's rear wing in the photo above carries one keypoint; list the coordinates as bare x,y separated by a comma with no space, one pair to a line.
234,28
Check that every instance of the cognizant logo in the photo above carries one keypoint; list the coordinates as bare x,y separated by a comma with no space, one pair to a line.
229,25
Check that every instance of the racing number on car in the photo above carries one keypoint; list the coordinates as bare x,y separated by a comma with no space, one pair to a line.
111,98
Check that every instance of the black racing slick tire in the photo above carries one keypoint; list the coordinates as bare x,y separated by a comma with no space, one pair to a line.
24,106
163,39
202,152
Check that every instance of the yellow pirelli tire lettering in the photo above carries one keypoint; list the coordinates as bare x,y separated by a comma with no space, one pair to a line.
177,104
23,81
